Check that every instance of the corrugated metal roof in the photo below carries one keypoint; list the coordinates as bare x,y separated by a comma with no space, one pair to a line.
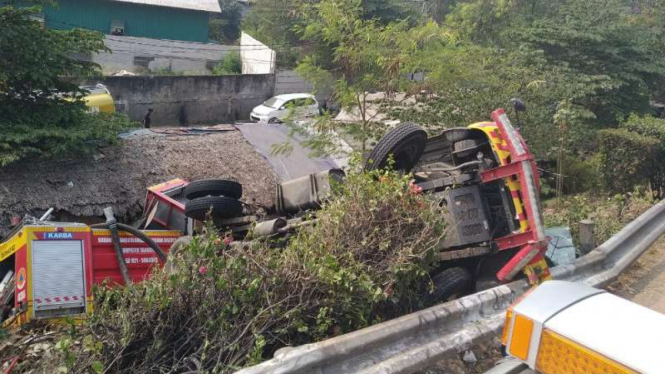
204,5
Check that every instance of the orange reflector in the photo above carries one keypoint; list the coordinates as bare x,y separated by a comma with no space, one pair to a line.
506,326
509,316
558,354
521,337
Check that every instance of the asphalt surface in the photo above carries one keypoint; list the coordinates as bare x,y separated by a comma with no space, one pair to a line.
644,282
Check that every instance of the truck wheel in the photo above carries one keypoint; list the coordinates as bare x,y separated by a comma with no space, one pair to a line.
452,282
213,187
220,207
405,143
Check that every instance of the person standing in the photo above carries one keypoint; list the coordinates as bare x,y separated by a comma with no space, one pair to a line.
147,120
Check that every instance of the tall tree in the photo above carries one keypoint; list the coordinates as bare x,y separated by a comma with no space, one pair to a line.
598,57
41,111
274,23
225,26
367,56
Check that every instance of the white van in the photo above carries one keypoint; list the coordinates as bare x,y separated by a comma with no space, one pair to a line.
276,108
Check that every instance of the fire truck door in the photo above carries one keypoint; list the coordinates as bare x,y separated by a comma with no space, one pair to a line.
58,277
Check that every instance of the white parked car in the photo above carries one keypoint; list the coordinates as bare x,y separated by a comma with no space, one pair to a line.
277,107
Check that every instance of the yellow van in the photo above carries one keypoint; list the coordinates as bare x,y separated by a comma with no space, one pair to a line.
99,99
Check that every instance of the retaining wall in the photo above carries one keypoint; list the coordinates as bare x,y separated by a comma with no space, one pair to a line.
186,100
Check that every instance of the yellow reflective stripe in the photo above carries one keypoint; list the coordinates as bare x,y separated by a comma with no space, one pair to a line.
497,142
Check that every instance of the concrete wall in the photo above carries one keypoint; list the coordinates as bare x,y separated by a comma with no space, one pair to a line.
288,81
190,100
135,54
256,57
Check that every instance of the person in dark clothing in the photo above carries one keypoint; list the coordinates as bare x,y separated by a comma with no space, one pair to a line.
146,120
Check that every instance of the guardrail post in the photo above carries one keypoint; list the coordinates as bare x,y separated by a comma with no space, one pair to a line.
587,237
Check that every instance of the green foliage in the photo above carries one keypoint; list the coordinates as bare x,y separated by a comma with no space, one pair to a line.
64,345
35,60
224,27
166,72
230,64
610,214
226,307
629,159
82,132
582,175
41,111
593,62
653,128
276,24
271,23
579,66
647,126
367,56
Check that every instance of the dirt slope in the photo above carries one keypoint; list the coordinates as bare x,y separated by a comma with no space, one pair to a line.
644,281
81,187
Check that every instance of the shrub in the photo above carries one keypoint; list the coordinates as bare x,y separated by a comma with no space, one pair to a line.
610,214
41,111
647,126
581,175
63,132
229,307
629,159
229,65
654,128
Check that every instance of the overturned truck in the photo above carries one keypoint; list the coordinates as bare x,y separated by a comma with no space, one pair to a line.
483,177
486,179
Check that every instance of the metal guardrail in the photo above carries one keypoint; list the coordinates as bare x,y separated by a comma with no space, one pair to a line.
418,340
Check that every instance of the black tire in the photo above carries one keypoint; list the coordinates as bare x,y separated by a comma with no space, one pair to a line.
213,187
405,143
221,206
452,282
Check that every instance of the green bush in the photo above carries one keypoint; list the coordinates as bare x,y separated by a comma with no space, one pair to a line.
232,306
581,175
41,111
229,65
610,214
647,126
629,159
59,131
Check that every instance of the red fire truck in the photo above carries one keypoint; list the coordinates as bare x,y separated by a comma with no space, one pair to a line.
48,268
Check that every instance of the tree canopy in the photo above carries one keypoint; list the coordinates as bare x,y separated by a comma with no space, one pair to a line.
41,111
599,59
580,66
224,27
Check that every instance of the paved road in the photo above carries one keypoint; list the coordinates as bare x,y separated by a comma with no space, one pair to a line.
644,282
